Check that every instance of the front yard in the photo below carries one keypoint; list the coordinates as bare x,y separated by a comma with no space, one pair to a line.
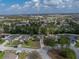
2,54
25,44
65,53
22,55
1,41
77,44
31,44
13,43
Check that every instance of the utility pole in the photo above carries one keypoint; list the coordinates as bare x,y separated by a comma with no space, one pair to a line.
37,5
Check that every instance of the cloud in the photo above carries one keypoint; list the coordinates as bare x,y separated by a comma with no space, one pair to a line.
76,4
49,5
52,2
35,0
27,4
59,3
62,3
46,4
14,7
37,5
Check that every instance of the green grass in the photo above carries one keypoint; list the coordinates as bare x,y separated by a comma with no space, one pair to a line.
31,44
1,41
68,53
77,44
13,43
1,55
22,55
27,44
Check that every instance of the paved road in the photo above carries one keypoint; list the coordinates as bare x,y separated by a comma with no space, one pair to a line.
76,51
41,51
41,42
44,54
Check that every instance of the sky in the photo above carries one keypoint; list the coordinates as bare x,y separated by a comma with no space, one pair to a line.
38,6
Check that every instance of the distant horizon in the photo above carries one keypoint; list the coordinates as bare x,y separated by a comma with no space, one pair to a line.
39,14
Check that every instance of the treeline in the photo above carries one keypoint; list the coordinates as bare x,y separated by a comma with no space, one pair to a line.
68,26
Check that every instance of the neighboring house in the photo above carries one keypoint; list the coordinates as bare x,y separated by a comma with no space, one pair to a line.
73,38
24,37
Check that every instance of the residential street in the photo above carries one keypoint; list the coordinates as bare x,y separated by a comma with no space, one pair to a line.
41,42
41,51
44,54
76,51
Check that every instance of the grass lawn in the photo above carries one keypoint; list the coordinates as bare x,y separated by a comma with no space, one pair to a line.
22,55
1,55
1,41
64,53
68,53
13,43
27,44
77,44
31,44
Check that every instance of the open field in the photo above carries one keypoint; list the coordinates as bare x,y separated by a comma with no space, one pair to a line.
31,44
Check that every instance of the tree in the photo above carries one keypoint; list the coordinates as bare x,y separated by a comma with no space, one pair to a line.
68,53
63,40
43,30
6,28
49,42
